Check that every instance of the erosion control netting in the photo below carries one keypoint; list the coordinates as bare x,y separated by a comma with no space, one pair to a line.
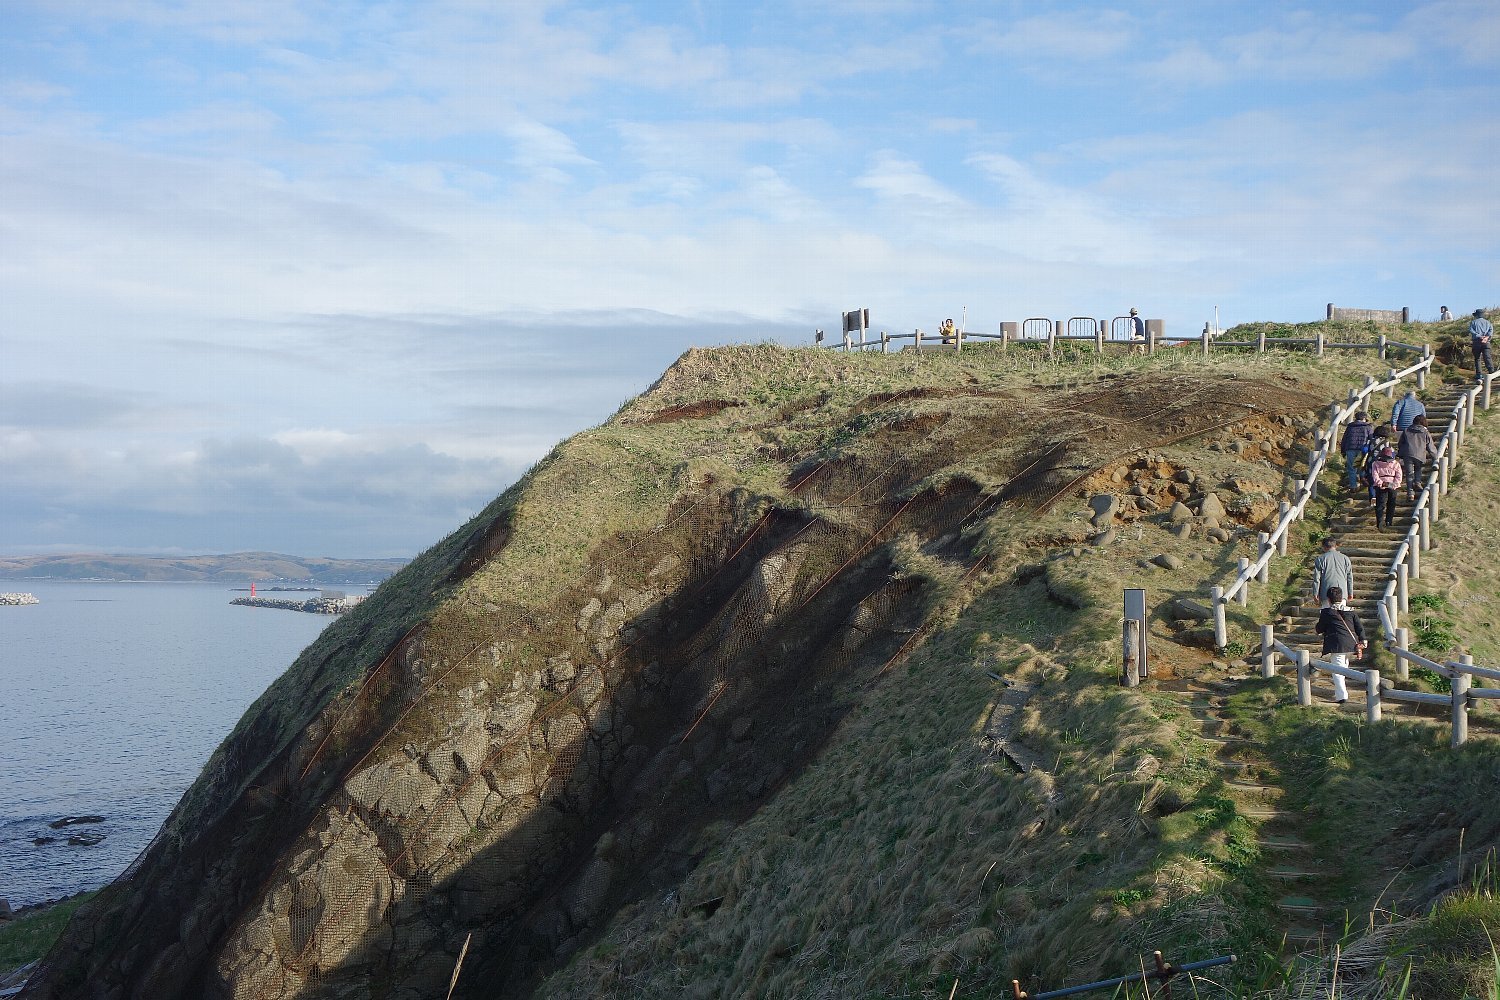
536,767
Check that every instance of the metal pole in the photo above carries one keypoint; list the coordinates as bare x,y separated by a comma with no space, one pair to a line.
1304,677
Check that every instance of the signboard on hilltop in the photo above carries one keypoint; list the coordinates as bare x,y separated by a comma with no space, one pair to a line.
856,321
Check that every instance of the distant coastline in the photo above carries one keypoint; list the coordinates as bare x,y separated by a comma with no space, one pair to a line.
261,568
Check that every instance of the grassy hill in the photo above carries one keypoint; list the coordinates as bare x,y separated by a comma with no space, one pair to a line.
798,678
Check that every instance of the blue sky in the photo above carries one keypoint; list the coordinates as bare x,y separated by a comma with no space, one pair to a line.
325,277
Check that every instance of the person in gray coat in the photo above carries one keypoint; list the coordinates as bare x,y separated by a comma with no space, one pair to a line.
1332,569
1415,448
1407,409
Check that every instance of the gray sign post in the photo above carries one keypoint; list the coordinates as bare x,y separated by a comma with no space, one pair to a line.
1135,615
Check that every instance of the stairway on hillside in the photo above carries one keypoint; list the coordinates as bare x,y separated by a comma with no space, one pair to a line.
1370,551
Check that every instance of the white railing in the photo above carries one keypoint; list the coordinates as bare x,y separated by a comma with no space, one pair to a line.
1406,565
1274,542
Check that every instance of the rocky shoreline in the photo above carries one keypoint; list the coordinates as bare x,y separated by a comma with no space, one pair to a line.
16,600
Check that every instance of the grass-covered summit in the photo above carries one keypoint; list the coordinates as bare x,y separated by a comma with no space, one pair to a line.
707,705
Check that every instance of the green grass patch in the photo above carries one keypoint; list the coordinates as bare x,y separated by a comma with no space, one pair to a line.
27,939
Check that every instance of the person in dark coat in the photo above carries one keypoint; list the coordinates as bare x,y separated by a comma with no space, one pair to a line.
1415,449
1480,332
1354,444
1343,638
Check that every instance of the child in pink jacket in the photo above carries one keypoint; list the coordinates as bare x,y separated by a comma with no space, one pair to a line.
1385,479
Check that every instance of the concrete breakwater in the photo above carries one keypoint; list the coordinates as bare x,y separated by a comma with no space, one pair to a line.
313,605
18,599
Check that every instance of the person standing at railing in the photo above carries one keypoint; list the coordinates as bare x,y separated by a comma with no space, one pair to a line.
1415,448
949,332
1332,570
1407,409
1343,636
1354,444
1480,332
1385,480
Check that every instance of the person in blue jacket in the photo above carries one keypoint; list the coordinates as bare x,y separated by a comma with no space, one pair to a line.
1480,332
1407,409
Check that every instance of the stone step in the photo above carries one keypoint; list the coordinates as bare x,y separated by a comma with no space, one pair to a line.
1284,842
1299,904
1291,873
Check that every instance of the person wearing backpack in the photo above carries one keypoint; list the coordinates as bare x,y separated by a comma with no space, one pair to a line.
1382,436
1415,447
1480,332
1354,444
1385,479
1343,637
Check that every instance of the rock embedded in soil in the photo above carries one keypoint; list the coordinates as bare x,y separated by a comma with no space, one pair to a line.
1105,537
1212,506
1182,529
1167,561
1179,513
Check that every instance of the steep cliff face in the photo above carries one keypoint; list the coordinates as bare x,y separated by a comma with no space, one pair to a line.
561,707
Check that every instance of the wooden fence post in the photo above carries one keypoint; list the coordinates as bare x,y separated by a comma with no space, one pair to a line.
1244,595
1052,334
1401,669
1372,696
1099,336
1414,557
1391,611
1424,525
1461,682
1320,343
917,339
1484,398
1402,585
1263,546
1268,651
1299,486
1422,372
1443,464
1382,343
1281,543
1221,627
885,342
1434,504
1130,642
1304,677
1471,398
1260,341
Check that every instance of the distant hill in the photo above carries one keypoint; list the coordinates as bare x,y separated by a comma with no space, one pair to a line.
238,567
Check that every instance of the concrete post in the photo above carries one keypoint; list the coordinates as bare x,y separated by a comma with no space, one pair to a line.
1422,374
1403,581
1372,696
1443,464
1299,486
1205,339
917,339
1221,627
1320,343
1484,395
1434,504
885,342
1244,593
1304,677
1381,342
1414,558
1262,547
1268,651
1392,610
1390,390
1461,682
1052,335
1282,508
1401,668
1470,399
1424,525
1260,342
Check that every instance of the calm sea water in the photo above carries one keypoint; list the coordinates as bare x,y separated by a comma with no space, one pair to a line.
112,697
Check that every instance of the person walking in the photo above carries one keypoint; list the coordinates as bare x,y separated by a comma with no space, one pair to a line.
1332,569
1385,480
1480,332
1384,435
1407,409
1415,448
1354,444
1343,637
